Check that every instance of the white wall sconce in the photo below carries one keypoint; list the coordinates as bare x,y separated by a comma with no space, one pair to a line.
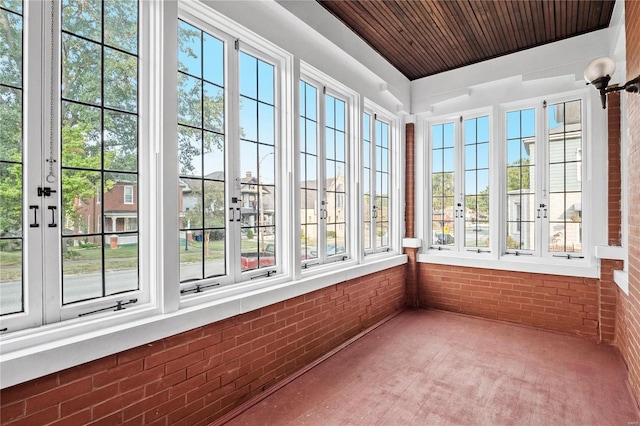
598,73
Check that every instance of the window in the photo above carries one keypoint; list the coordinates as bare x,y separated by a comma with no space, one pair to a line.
99,145
92,90
257,162
376,182
460,184
323,174
521,172
201,153
228,192
128,194
544,216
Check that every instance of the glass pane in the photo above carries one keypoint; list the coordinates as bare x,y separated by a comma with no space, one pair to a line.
189,100
330,143
120,202
11,49
190,151
367,235
448,135
81,132
556,177
248,119
189,49
11,129
120,80
311,137
12,5
81,268
121,24
437,161
449,165
83,17
310,242
266,133
11,295
214,156
470,157
213,108
214,253
191,256
213,60
340,147
11,200
265,82
437,137
266,165
248,76
214,212
120,263
311,101
120,141
79,201
191,206
483,156
81,70
470,136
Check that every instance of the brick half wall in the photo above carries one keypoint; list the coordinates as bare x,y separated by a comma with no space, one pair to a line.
560,303
195,377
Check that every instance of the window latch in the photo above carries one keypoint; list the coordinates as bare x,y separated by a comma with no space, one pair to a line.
46,191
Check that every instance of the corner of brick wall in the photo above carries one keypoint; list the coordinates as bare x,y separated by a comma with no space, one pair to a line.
195,377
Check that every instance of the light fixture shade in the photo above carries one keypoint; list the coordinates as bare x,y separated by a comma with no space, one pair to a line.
599,67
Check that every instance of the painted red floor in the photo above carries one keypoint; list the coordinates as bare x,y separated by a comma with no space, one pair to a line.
437,368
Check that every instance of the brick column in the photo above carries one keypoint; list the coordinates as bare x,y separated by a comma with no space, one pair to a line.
628,331
411,275
607,288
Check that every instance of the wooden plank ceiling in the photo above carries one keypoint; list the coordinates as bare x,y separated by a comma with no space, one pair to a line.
423,38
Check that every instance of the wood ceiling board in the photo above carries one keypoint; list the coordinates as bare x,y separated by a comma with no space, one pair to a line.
422,38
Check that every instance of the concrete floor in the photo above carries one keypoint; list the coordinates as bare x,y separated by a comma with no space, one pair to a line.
437,368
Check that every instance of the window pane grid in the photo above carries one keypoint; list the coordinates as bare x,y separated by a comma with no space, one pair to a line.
257,160
201,143
368,230
476,215
442,181
335,169
521,229
308,176
565,180
382,184
99,137
11,160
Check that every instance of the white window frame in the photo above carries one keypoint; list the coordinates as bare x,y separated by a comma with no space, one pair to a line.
459,247
326,85
375,112
593,127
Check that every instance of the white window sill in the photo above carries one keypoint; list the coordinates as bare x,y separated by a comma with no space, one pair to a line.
621,278
28,354
536,265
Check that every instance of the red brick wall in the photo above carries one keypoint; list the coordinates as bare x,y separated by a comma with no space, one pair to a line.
614,171
195,377
562,303
628,330
409,218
